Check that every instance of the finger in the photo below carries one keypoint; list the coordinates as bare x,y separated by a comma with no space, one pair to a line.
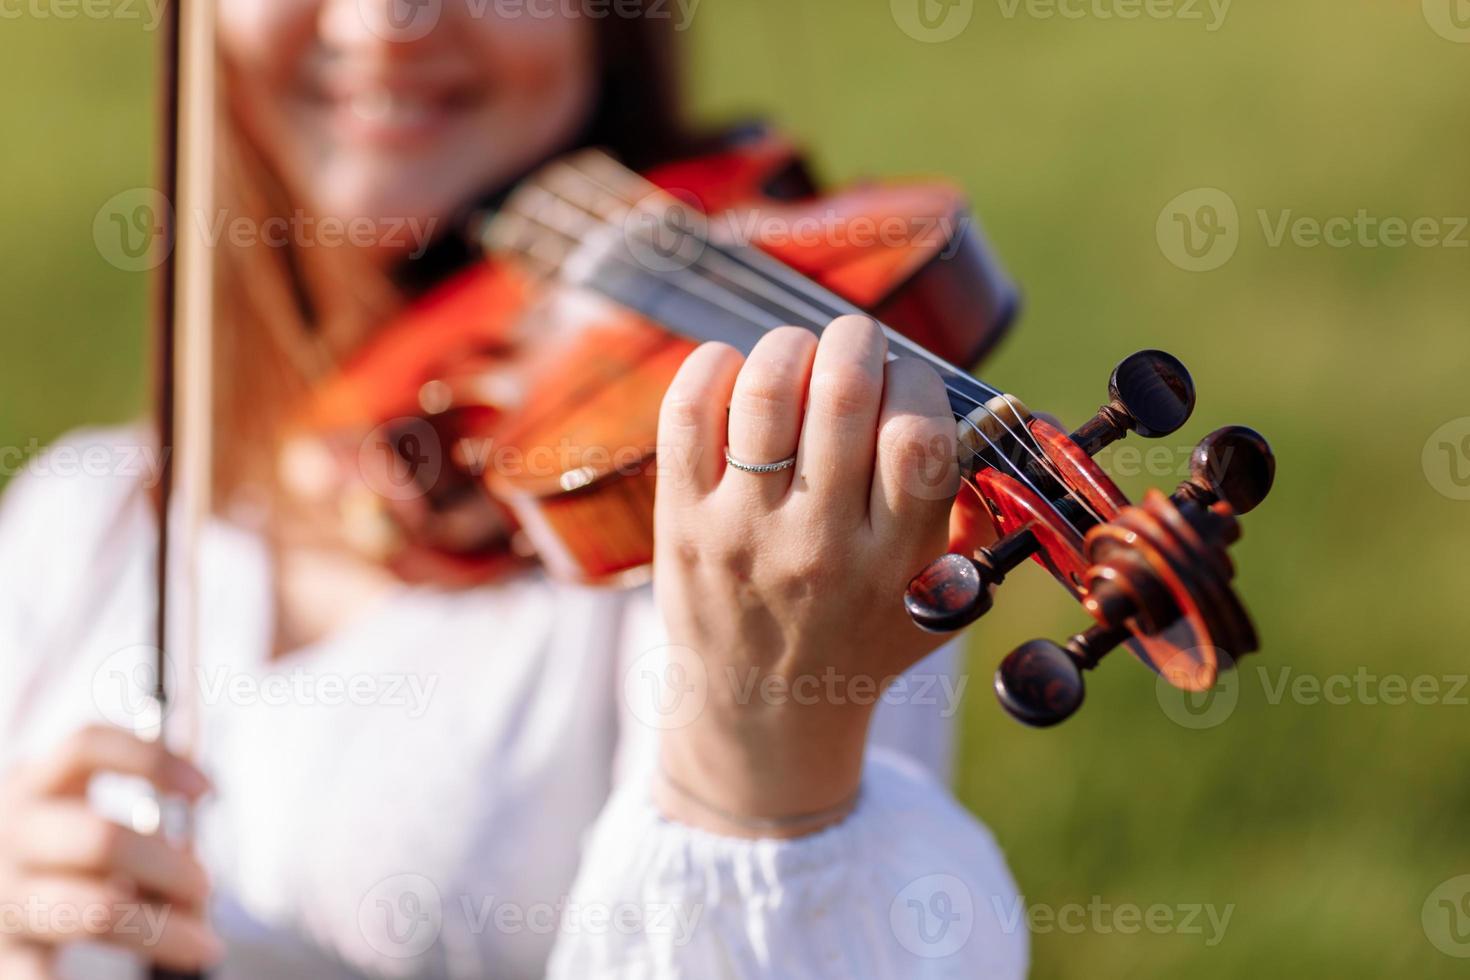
69,838
839,432
917,469
766,406
25,961
63,909
691,423
100,748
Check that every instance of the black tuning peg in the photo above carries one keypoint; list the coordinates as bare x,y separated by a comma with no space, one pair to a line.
954,590
1234,464
1150,393
1040,683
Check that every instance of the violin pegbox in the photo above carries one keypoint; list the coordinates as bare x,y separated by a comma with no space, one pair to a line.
1155,577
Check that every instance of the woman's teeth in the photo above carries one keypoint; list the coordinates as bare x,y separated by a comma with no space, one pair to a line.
391,108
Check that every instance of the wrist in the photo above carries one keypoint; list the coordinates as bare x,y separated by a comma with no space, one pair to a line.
757,776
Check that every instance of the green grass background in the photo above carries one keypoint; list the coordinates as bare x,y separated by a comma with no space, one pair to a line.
1325,826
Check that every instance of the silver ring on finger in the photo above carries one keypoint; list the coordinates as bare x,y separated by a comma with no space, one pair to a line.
776,467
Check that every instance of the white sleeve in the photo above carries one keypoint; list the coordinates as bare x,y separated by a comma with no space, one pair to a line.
70,525
910,886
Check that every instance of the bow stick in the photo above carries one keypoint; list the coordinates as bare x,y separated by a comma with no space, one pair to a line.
183,335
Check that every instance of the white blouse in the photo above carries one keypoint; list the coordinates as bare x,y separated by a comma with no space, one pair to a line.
457,785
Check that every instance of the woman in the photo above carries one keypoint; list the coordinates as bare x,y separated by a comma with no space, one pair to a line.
524,779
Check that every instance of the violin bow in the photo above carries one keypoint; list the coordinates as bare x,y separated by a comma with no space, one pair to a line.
183,339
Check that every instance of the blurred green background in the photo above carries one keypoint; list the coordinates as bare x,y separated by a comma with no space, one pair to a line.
1324,827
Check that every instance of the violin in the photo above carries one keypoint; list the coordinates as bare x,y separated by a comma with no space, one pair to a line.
516,407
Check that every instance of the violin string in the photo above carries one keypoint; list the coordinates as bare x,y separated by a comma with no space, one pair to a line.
754,262
768,268
554,202
551,201
723,300
785,278
730,303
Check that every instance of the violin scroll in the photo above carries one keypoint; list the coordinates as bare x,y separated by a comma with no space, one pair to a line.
1155,577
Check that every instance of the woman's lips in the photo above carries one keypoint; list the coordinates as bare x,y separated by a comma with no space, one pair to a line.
395,114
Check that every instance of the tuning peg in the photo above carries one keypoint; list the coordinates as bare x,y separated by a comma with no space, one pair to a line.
1040,683
1234,464
1150,393
954,590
